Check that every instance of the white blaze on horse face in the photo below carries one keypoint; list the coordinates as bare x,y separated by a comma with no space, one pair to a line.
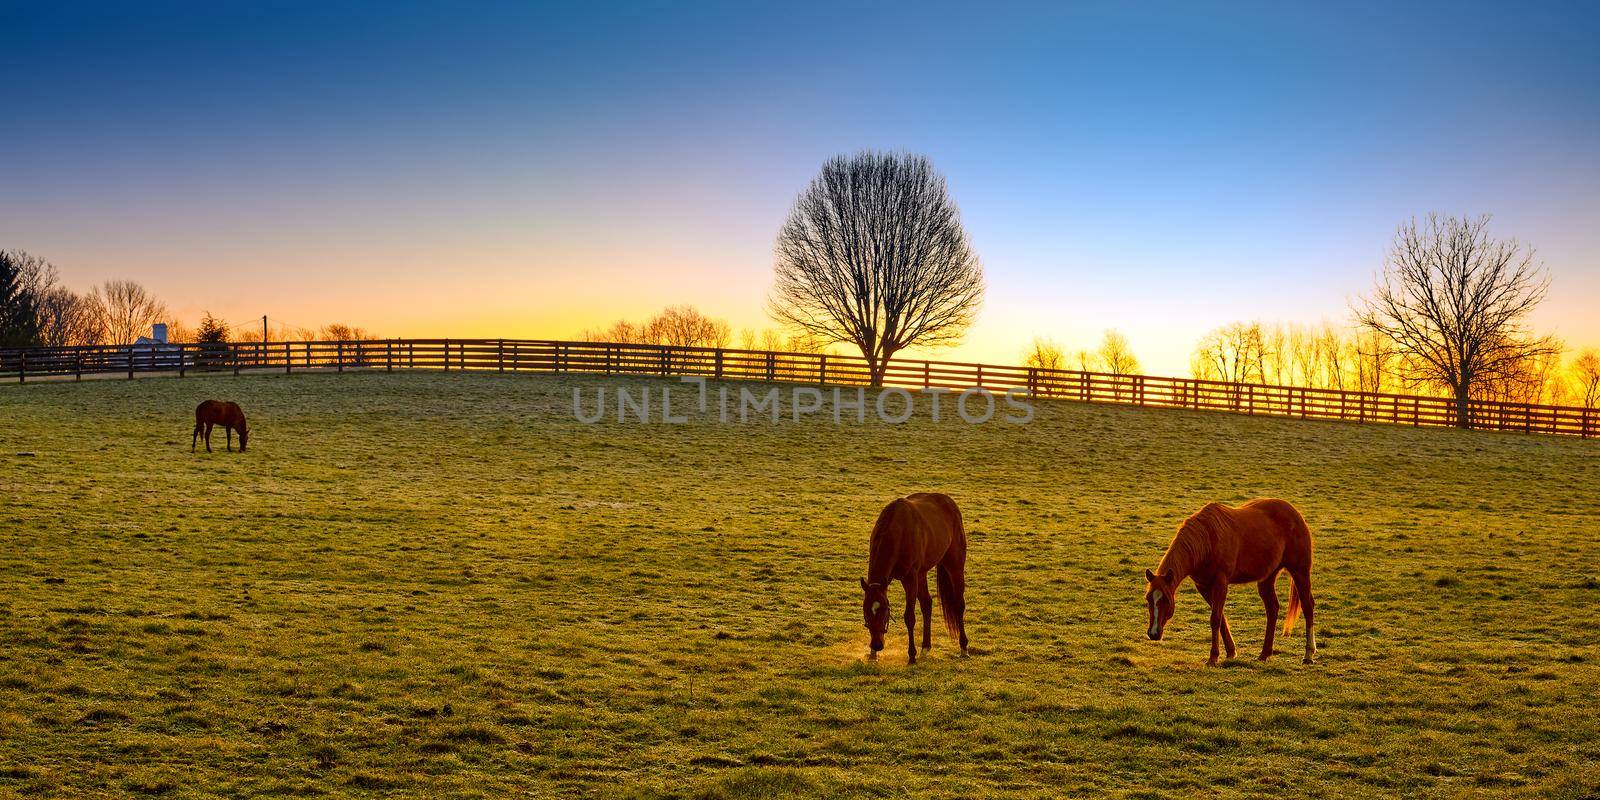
876,606
1155,613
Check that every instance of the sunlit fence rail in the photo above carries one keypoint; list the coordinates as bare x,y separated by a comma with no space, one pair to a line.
539,355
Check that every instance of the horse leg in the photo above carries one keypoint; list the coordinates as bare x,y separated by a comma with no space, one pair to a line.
1216,596
1269,598
910,585
208,437
1227,636
1302,584
229,429
195,438
927,613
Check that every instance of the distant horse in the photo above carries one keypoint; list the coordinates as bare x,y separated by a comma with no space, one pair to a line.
913,535
224,413
1220,545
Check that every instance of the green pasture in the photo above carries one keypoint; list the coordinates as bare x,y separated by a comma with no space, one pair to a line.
442,585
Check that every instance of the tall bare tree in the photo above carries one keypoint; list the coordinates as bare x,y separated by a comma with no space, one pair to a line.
1455,302
125,310
873,254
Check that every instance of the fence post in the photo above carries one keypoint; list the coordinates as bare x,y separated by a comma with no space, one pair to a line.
180,361
340,356
772,366
500,354
719,362
22,367
1033,380
822,368
980,376
926,384
516,356
388,355
77,365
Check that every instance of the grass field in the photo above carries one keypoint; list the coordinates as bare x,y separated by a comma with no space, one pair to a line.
443,585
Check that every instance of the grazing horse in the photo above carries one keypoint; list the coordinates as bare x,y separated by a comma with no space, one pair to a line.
224,413
1219,546
913,535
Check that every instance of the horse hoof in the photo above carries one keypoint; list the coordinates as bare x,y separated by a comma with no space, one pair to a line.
1307,660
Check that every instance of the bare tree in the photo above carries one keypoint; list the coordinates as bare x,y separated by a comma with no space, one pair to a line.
67,318
1586,378
1044,354
685,326
1232,353
1115,355
125,310
1333,357
620,332
1454,302
1302,346
1372,354
873,254
338,332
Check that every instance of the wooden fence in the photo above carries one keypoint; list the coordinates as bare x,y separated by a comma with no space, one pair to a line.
540,355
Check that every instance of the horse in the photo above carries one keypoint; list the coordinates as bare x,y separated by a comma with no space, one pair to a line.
914,534
1220,545
224,413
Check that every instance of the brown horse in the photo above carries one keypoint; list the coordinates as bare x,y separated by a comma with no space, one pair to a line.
913,535
1219,546
224,413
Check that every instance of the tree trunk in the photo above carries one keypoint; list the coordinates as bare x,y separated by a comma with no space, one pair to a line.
1463,407
875,367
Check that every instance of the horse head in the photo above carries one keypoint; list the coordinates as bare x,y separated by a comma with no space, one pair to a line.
244,436
1158,594
875,610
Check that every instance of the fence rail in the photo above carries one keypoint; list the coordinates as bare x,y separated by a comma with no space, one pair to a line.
544,355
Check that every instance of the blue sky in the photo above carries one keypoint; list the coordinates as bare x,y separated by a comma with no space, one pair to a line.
512,169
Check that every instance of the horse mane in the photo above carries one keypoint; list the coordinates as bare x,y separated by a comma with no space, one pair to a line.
1193,540
884,533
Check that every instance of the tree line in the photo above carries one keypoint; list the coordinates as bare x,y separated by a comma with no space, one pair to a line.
686,326
1353,358
37,310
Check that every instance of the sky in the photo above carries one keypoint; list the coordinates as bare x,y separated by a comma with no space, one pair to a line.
485,170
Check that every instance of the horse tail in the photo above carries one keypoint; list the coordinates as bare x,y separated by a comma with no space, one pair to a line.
1294,606
950,599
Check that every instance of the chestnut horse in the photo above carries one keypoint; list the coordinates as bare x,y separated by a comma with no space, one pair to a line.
1219,546
913,535
224,413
